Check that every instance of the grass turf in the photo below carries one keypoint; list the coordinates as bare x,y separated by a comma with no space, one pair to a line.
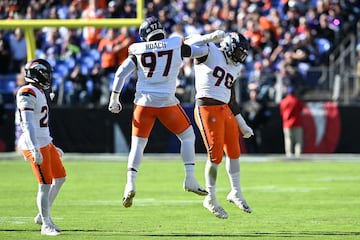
290,200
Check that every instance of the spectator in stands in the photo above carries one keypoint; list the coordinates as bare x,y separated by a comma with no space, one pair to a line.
124,40
323,31
312,20
52,47
108,49
5,53
263,80
254,34
177,30
256,115
100,86
129,10
291,19
168,22
71,46
92,35
289,72
193,25
63,9
18,50
185,81
78,95
113,9
75,10
291,108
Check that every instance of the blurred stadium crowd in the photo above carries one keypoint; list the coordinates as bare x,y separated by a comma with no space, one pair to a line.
288,39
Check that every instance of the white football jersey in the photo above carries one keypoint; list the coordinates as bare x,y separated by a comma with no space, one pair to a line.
158,65
30,98
215,77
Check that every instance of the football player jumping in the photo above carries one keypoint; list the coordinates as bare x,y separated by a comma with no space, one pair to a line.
218,115
35,142
156,61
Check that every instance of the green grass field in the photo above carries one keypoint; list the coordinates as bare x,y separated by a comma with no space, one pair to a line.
290,200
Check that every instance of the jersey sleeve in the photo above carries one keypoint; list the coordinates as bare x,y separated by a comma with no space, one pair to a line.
124,70
26,99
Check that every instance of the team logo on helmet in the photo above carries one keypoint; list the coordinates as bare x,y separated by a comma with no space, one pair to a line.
39,71
236,47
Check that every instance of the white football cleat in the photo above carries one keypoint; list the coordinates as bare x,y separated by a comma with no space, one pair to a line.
49,230
129,195
38,220
236,198
213,206
191,185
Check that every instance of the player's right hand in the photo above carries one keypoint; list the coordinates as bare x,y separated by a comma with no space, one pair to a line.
217,36
38,159
114,104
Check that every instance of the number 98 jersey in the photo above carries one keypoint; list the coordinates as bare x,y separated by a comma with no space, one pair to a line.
214,77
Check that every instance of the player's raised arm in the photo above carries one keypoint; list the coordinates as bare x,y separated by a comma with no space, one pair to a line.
214,37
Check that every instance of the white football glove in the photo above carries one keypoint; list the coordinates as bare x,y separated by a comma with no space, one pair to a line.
37,156
244,128
114,104
60,152
215,36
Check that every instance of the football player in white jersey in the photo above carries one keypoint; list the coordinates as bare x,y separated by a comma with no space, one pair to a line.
217,114
35,141
156,62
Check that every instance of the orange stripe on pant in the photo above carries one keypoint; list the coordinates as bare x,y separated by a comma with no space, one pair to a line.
50,168
219,131
173,118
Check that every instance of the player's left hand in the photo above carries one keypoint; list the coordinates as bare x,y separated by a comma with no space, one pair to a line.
244,128
246,131
38,158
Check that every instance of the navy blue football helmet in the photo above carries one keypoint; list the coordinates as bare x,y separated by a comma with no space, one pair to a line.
149,28
236,47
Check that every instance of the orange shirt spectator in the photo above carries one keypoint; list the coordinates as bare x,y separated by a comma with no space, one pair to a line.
253,33
107,49
92,35
124,41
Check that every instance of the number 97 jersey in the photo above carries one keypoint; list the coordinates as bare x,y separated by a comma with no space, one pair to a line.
158,64
214,77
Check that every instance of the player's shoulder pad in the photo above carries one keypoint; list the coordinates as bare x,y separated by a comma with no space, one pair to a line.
26,90
132,48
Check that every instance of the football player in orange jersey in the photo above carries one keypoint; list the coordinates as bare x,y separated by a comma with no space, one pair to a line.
217,114
157,61
35,141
